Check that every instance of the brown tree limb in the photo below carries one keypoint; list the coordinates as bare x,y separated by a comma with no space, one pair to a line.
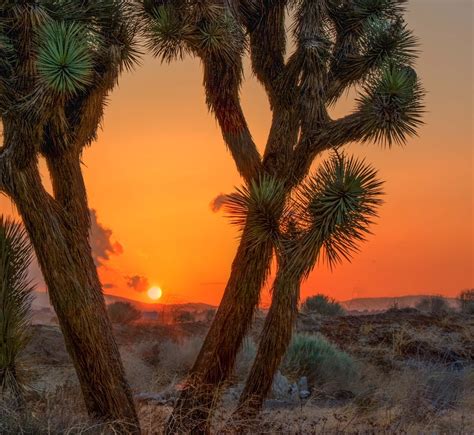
222,83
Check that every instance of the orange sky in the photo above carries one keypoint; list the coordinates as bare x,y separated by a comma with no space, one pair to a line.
160,160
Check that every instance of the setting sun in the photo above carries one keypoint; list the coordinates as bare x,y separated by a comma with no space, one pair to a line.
155,293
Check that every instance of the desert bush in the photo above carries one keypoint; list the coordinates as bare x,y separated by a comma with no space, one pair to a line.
183,317
466,301
436,305
209,315
123,313
178,357
150,352
323,305
323,363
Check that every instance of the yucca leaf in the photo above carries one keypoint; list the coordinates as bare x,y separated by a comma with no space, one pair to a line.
15,301
64,59
258,208
391,107
335,207
167,33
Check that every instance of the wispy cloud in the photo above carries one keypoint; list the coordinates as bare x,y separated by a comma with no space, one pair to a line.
138,283
218,202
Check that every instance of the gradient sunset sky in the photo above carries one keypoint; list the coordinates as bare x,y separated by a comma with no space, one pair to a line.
160,160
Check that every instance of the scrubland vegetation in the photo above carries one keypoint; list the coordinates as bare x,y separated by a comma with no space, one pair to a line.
403,370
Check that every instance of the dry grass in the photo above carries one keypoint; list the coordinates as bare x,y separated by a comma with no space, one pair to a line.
407,383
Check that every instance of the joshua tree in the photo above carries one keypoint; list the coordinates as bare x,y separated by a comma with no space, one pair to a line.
326,218
59,60
337,44
15,303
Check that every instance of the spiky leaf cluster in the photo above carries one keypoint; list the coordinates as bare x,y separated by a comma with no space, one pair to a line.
257,208
203,28
336,207
59,59
327,217
15,300
64,60
390,106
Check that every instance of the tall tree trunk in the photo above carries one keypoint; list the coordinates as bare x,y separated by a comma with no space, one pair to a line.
274,341
231,323
58,230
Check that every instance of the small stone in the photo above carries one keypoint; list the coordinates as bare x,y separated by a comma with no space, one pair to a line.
281,386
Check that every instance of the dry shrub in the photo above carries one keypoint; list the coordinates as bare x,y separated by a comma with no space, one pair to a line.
123,313
320,361
178,356
322,305
435,305
466,301
149,352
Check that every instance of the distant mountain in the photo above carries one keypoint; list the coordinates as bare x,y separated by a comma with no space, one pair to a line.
41,302
384,303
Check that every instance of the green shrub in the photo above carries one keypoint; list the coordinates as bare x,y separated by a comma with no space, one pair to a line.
436,305
320,361
184,317
123,313
323,305
466,301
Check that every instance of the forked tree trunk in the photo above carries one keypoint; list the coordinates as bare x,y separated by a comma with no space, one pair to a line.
218,353
274,341
58,232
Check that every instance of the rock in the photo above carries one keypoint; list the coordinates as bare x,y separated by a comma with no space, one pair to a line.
303,388
303,383
281,386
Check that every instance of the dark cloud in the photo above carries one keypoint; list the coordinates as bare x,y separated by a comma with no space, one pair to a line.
108,285
138,283
101,241
218,202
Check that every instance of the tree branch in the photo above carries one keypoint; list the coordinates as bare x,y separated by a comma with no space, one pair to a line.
266,26
222,83
350,128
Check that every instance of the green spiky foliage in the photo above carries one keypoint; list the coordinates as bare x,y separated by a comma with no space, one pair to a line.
336,46
57,56
337,205
64,60
326,218
59,62
15,302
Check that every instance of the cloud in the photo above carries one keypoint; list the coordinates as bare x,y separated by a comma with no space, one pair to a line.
138,283
101,241
218,202
108,285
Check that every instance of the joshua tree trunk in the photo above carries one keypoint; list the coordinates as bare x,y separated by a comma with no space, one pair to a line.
217,357
275,338
58,229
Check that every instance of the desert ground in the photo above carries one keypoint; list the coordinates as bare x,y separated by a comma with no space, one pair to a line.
396,371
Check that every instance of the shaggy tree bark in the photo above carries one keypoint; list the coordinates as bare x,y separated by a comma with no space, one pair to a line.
58,229
217,356
58,65
274,340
